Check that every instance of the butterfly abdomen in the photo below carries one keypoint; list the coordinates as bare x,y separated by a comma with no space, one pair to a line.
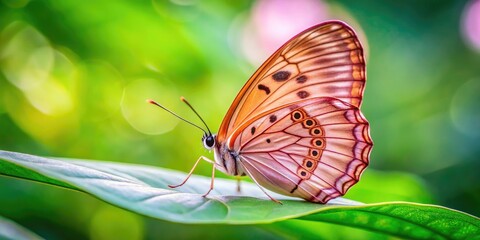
227,160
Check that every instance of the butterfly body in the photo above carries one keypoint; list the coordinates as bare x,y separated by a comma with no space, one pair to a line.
228,160
296,127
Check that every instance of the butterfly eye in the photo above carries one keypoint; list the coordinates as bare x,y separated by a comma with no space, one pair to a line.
208,141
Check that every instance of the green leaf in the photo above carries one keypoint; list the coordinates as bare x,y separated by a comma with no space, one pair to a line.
11,230
418,221
304,229
144,190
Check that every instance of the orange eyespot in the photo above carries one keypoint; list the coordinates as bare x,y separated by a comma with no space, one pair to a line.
314,153
303,174
316,131
309,123
298,115
309,164
318,142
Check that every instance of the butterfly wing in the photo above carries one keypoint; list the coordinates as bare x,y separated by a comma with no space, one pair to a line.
323,61
315,149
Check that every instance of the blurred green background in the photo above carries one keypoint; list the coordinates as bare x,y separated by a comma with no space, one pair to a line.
74,77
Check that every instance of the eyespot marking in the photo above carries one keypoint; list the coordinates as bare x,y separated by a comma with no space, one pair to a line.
252,130
268,140
309,164
314,153
316,131
297,115
317,142
302,173
264,88
308,123
281,76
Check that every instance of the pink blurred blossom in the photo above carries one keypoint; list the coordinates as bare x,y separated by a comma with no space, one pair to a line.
273,22
471,23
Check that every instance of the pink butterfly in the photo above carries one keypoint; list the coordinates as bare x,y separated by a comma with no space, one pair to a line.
295,127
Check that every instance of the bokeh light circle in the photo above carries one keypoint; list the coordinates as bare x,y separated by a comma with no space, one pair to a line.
147,118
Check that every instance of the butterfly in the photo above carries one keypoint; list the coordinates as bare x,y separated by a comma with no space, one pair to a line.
295,127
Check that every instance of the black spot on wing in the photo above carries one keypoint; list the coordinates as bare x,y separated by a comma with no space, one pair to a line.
281,76
301,79
273,118
264,88
303,94
295,188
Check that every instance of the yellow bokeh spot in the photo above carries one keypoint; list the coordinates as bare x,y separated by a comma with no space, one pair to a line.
26,58
51,98
114,223
40,95
147,118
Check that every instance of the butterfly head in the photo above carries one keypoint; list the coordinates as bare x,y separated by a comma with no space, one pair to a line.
208,141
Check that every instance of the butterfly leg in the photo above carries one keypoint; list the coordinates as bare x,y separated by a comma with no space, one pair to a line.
191,171
239,190
213,175
261,188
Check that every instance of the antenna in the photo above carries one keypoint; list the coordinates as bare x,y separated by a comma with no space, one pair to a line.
198,115
181,118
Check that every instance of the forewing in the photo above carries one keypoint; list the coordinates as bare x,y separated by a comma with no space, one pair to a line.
315,149
323,61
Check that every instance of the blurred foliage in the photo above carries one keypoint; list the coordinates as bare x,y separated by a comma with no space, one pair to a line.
74,78
11,230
